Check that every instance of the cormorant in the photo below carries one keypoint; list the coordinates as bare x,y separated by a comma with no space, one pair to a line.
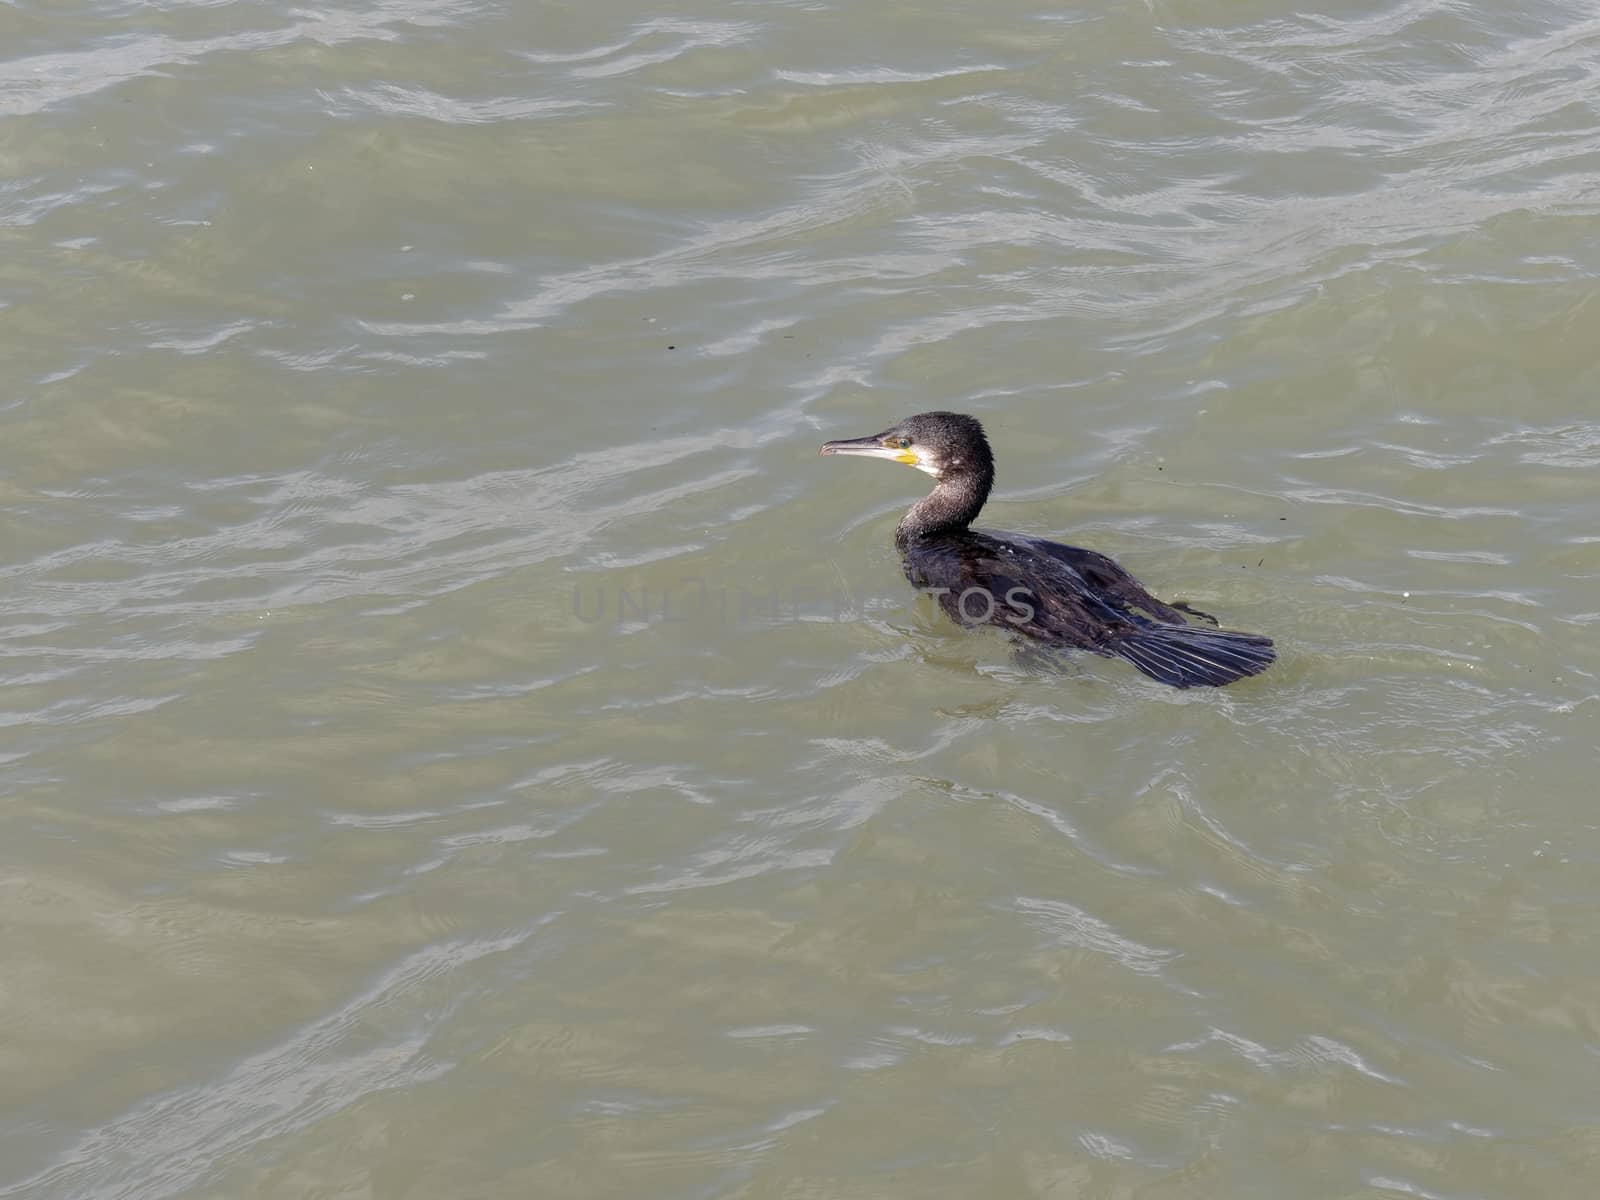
1061,595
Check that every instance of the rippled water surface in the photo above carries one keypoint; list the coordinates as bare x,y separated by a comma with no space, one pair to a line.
458,739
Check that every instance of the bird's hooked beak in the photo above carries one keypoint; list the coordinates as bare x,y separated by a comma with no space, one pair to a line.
879,445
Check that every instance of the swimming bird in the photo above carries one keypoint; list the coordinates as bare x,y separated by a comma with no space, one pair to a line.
1063,596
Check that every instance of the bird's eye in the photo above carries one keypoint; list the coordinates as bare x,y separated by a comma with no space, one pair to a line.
905,443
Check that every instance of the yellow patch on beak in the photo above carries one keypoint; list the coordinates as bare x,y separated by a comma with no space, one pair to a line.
906,457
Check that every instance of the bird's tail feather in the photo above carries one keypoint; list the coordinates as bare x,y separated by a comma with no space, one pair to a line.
1191,656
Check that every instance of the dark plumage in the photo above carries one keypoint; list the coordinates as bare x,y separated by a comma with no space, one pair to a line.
1058,594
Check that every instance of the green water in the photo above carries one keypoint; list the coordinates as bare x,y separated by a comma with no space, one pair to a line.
459,740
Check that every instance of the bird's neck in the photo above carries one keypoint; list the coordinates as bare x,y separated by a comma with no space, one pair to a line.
953,504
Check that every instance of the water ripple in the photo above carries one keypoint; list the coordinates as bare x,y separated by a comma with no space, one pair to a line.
177,1140
39,82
